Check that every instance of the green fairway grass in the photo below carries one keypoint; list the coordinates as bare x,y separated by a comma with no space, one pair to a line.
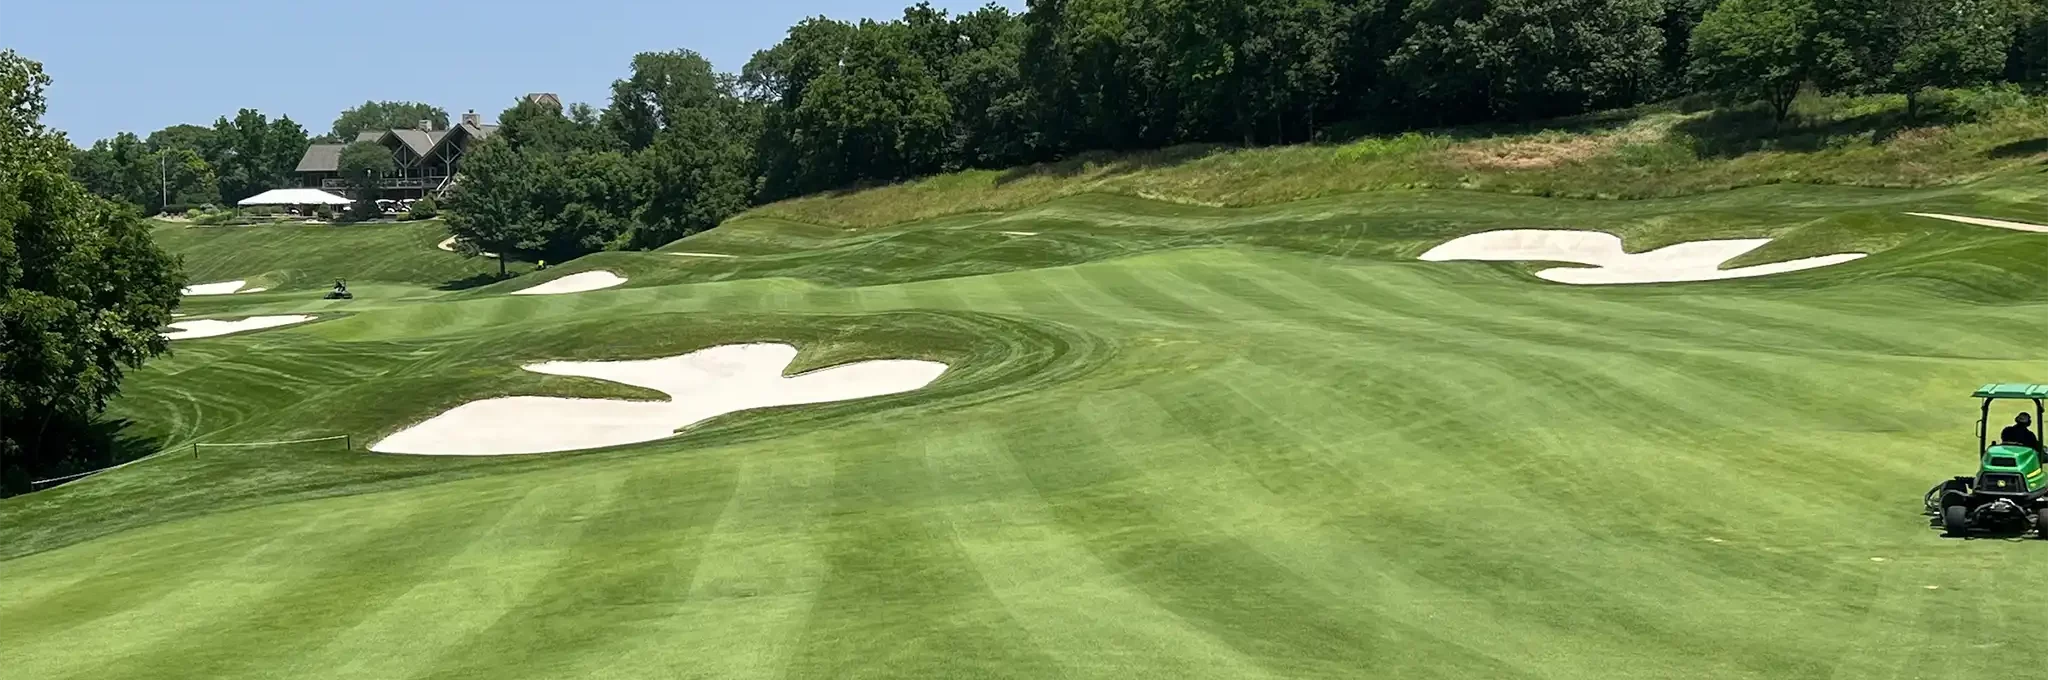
1177,442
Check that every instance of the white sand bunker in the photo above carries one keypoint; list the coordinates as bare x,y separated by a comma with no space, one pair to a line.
1020,233
712,255
1985,222
207,328
222,288
1695,261
575,283
700,385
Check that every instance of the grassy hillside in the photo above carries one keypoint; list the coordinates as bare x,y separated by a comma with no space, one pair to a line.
1179,440
1653,152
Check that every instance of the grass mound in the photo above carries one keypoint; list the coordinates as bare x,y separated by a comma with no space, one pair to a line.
1655,152
304,257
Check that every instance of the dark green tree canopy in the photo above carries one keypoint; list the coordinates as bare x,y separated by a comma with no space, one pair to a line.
362,163
662,87
1757,49
256,154
83,292
376,115
192,137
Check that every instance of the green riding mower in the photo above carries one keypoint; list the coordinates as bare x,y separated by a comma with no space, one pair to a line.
2009,493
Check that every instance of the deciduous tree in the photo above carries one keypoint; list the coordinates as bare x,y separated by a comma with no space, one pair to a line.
1758,49
83,292
364,165
376,115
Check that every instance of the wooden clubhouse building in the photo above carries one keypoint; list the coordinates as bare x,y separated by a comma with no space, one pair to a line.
427,158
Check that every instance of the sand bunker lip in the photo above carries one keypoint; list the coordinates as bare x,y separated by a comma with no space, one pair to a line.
700,385
1985,222
222,288
713,255
1020,233
448,244
582,282
1610,265
207,328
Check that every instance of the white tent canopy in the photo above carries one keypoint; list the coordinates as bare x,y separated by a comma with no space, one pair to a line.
295,197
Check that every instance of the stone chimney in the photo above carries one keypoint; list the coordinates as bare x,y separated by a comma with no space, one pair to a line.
472,120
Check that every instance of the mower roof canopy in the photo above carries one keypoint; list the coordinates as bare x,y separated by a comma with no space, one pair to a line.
2012,391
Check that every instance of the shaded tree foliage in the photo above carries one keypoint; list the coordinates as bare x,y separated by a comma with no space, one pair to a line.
1756,49
1514,59
83,292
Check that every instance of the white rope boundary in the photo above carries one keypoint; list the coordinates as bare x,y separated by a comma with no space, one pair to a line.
194,447
291,441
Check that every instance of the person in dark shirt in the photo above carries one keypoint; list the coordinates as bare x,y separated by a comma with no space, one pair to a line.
2019,434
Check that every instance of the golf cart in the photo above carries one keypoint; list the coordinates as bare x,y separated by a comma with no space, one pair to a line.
2009,494
340,291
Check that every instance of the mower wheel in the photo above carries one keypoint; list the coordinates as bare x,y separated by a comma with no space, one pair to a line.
1955,519
2041,523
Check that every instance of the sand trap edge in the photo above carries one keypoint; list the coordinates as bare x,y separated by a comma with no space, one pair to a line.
579,282
1608,263
1986,222
214,328
694,397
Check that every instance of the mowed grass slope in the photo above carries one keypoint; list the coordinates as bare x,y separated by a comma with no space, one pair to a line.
1652,152
1179,442
390,259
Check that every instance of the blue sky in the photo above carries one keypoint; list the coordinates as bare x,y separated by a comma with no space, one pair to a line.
141,65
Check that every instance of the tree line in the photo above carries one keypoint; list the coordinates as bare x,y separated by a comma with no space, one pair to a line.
186,166
838,103
681,147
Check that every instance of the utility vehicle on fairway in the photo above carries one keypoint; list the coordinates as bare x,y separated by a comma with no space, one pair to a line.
2009,493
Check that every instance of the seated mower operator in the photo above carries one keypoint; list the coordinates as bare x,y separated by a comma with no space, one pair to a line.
2019,434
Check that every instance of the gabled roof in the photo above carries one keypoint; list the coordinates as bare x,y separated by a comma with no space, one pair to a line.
476,132
327,157
321,158
420,141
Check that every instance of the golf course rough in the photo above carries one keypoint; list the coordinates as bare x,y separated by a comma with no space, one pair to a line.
700,385
1172,442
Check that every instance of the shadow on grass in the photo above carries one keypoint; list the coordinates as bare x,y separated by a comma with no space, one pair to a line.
66,450
2020,149
1112,163
477,281
1732,132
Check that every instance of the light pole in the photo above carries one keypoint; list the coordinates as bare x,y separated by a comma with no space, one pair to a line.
163,185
